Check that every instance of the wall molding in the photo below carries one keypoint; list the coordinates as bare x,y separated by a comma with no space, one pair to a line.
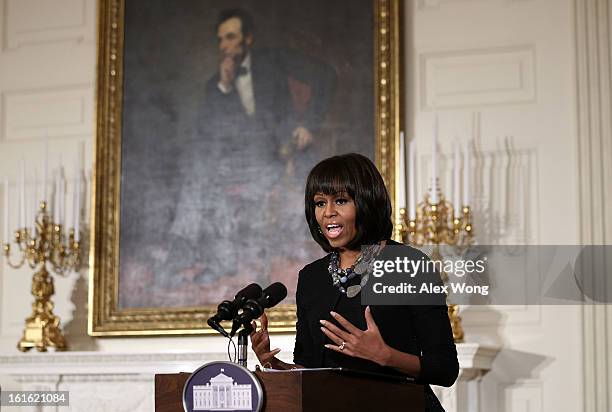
28,23
94,363
594,93
524,395
491,76
33,113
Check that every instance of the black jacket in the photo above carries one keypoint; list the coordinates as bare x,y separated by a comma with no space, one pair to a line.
423,331
273,70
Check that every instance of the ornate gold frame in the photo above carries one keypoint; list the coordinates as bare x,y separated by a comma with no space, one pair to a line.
105,318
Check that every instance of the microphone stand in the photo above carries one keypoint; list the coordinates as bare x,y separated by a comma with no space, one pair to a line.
243,344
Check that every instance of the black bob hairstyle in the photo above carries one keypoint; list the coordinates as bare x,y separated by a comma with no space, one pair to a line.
356,175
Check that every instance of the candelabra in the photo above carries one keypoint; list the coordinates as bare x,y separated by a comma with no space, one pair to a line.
45,244
435,224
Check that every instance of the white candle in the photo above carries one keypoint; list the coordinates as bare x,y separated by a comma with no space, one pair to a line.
27,214
412,180
6,211
88,183
34,204
456,181
466,175
62,193
434,164
56,200
77,210
401,193
79,174
80,159
73,213
36,191
46,172
22,201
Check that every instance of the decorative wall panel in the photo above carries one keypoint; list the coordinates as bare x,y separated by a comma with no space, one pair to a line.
477,77
36,21
36,113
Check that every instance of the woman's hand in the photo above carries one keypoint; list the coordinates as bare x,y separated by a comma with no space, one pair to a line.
352,341
260,342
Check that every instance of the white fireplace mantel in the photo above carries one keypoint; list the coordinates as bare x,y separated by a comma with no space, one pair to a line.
475,361
125,381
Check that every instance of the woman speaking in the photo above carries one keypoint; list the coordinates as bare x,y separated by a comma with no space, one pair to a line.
347,206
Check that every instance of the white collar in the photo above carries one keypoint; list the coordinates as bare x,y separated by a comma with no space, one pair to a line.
246,62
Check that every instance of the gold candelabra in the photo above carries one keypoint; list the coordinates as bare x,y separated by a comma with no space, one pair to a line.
48,245
435,224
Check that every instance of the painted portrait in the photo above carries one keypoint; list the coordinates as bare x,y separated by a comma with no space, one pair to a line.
223,109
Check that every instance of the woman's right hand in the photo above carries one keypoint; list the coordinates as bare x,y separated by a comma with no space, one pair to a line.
260,342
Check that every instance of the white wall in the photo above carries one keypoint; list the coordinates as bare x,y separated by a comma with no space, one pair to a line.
511,61
47,55
502,72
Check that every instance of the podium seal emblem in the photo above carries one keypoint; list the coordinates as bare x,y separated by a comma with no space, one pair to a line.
222,386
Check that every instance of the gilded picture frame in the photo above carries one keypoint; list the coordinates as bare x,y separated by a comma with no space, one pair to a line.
108,316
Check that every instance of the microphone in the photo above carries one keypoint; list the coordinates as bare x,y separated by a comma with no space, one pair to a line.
227,310
254,308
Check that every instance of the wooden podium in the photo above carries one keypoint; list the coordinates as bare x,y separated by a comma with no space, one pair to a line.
297,391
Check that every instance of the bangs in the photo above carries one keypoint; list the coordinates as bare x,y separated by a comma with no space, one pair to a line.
330,177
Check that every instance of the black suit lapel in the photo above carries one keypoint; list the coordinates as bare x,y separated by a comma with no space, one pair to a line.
270,90
257,77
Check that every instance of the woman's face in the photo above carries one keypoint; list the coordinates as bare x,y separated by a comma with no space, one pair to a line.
336,217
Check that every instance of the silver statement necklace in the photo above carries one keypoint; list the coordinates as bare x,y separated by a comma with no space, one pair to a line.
362,267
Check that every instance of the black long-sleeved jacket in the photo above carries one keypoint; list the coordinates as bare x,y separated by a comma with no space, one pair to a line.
423,331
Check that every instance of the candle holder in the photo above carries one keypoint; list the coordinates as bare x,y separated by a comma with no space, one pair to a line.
436,224
49,246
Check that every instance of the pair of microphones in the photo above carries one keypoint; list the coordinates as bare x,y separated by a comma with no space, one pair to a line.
248,304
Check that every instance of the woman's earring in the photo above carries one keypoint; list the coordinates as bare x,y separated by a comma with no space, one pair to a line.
319,229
